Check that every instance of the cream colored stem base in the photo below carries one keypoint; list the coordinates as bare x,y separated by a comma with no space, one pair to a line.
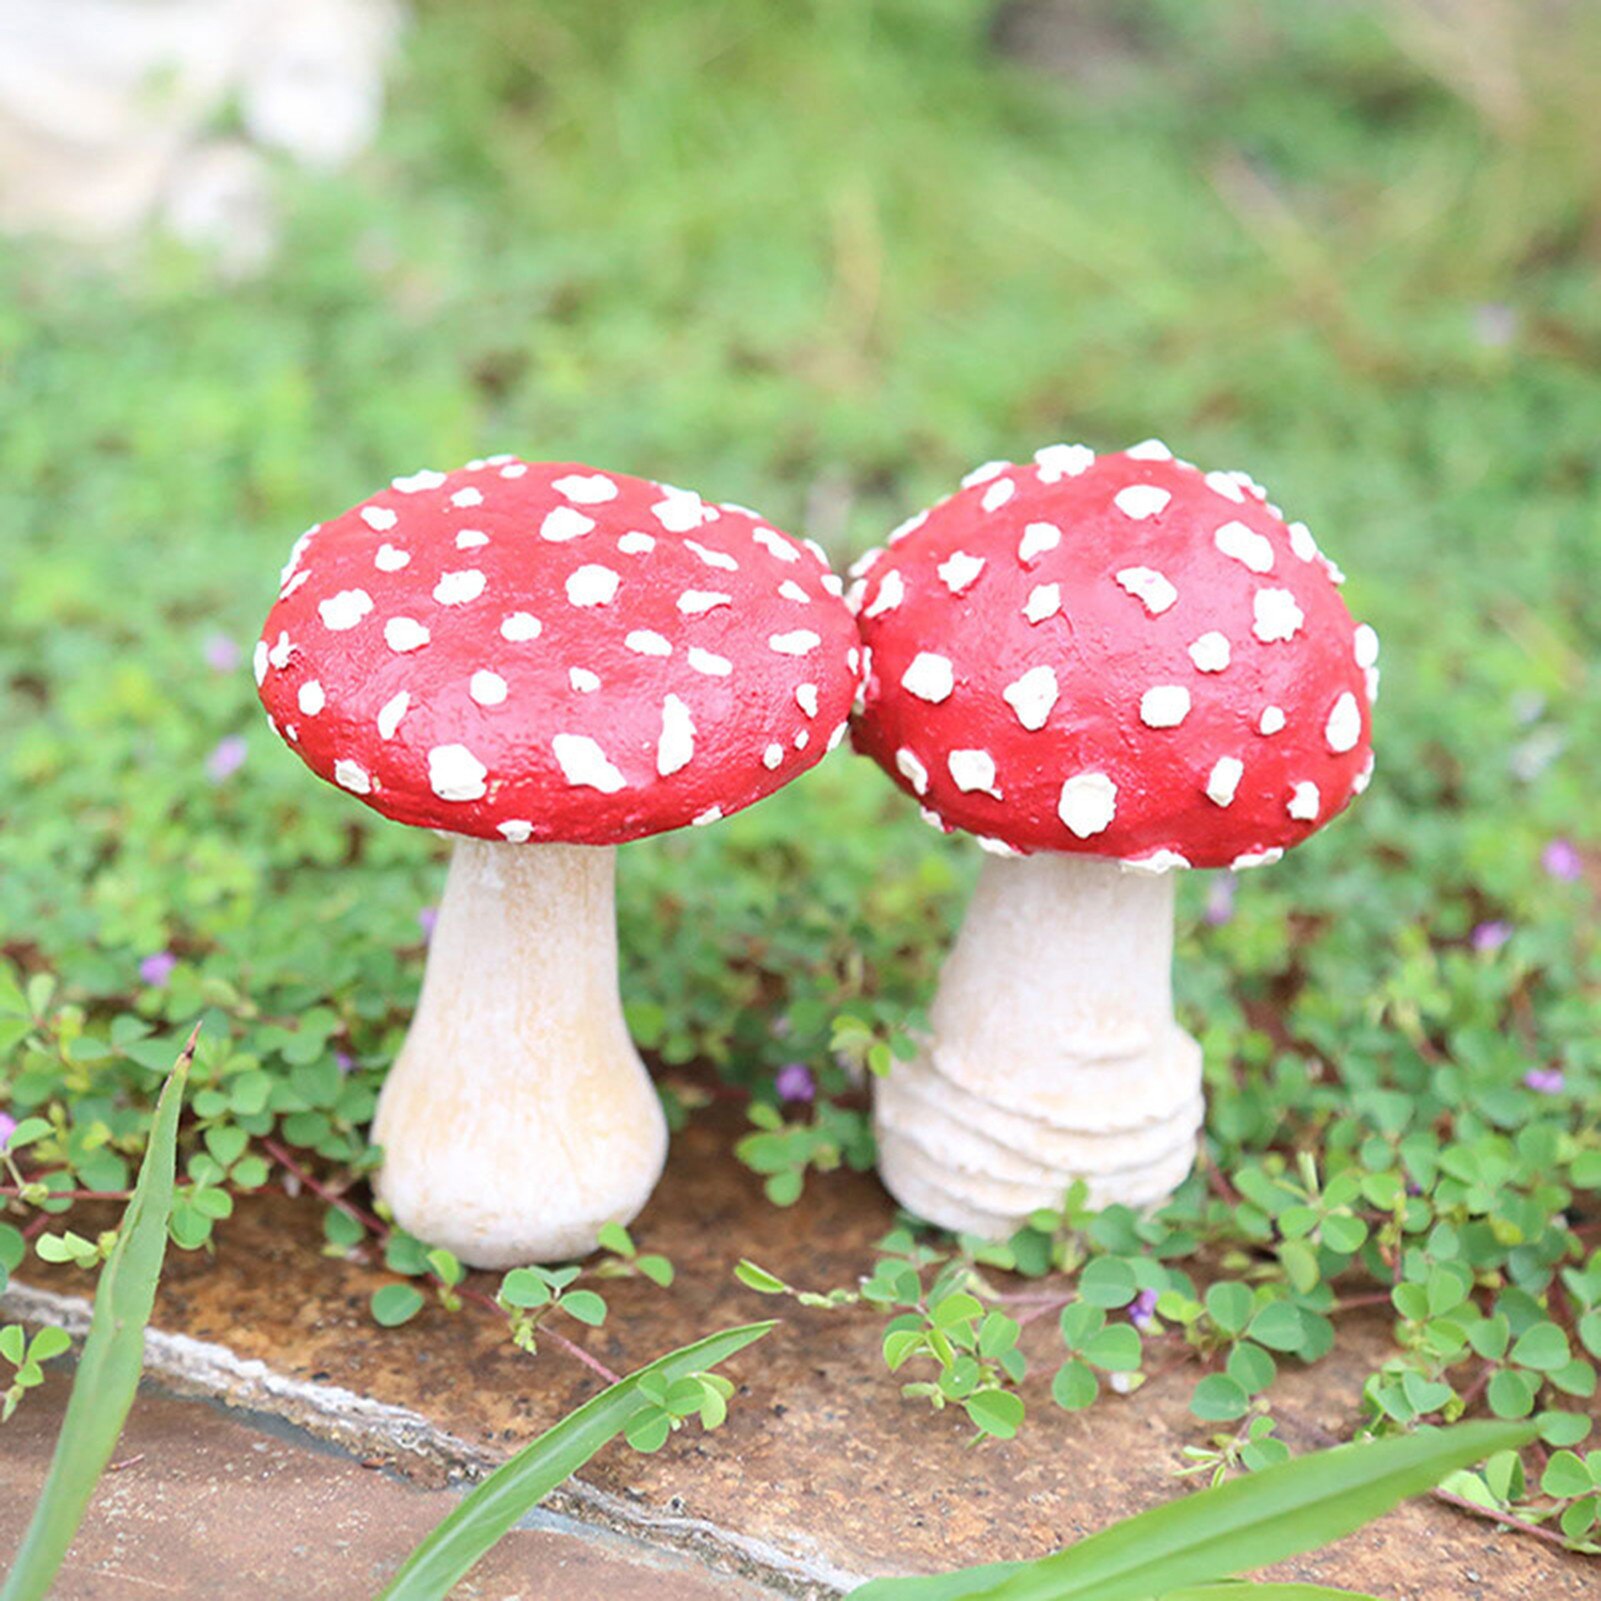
518,1117
1053,1054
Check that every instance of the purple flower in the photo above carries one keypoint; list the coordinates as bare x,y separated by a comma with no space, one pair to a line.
1544,1080
794,1082
344,1061
1142,1310
1490,936
428,920
157,969
1220,899
221,653
1561,860
8,1127
227,758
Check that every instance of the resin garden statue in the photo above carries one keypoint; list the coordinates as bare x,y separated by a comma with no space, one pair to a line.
544,661
1106,668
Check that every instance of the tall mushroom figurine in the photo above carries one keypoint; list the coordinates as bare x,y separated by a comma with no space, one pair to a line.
544,661
1105,668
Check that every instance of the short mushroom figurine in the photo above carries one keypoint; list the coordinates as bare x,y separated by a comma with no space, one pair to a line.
1105,668
545,661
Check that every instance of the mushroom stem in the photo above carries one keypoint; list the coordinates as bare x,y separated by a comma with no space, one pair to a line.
1053,1053
518,1117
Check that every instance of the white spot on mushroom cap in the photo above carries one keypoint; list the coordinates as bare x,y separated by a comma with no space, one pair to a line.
959,570
696,602
1211,652
1305,802
455,774
516,469
708,662
929,677
1360,783
584,764
995,847
973,770
458,588
562,523
1149,450
797,642
586,489
390,714
790,590
772,756
467,497
1164,706
402,634
378,518
647,642
300,578
426,478
1140,501
258,661
712,558
1370,678
1271,721
712,814
1160,860
676,746
1344,727
681,510
1088,804
471,539
1033,696
1243,544
1224,779
806,698
486,687
352,776
592,585
998,494
1056,462
1302,542
832,584
982,473
310,698
390,559
1226,485
912,769
775,544
1044,600
909,526
1037,539
1151,588
1365,645
582,680
1261,858
635,543
344,610
516,830
281,650
891,592
520,627
1277,615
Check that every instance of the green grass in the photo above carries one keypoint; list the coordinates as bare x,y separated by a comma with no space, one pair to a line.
822,258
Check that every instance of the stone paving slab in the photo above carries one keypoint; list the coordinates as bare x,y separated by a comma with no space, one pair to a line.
824,1474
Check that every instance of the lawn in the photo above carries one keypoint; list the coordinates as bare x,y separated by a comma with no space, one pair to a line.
822,259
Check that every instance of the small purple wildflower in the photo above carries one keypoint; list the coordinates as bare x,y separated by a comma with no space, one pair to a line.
1142,1310
155,970
1490,936
8,1127
344,1061
428,920
794,1082
227,758
221,653
1220,899
1544,1080
1561,860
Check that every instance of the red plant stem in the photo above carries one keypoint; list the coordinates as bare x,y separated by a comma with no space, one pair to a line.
1506,1519
74,1195
1351,1302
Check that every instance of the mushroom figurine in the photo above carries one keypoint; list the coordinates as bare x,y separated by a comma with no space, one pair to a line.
543,661
1106,668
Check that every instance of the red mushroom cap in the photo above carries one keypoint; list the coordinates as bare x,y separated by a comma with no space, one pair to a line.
1120,656
539,651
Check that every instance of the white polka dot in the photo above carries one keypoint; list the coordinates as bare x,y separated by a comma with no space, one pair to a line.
909,526
772,756
647,642
973,770
930,677
1037,539
1210,652
487,688
1302,542
712,814
837,738
300,578
516,830
344,610
393,710
680,511
1164,706
775,544
696,602
563,523
378,518
1157,861
1370,678
1088,804
1044,600
998,494
258,661
959,570
584,764
891,592
1277,615
456,589
636,544
467,497
1149,587
806,698
912,770
995,847
418,481
1032,696
832,584
352,776
708,662
1149,450
790,590
803,739
1304,802
310,698
676,746
1224,484
388,559
712,558
1056,462
582,680
592,585
516,469
1140,501
982,473
1360,783
1365,645
1344,727
1271,721
455,774
1224,779
1262,858
585,489
520,627
405,633
797,642
281,651
471,539
1243,544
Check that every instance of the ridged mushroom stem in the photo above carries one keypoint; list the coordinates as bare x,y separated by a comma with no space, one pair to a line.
518,1117
1053,1053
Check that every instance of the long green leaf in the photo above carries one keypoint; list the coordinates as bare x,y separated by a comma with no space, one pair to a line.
1266,1591
520,1484
1244,1524
112,1357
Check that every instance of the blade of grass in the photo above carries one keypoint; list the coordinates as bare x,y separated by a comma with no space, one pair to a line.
112,1356
1244,1524
520,1484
